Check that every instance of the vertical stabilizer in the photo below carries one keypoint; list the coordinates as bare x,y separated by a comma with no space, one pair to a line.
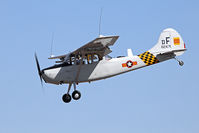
169,41
129,53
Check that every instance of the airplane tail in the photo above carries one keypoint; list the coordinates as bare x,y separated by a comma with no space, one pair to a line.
170,45
170,42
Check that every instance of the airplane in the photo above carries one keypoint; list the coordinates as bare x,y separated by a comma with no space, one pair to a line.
92,62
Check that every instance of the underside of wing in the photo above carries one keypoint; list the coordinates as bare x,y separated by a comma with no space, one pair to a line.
99,46
58,57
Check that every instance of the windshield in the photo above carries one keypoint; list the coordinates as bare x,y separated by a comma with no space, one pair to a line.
108,57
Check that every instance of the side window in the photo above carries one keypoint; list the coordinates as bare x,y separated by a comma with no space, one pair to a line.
77,59
84,60
95,58
89,59
72,60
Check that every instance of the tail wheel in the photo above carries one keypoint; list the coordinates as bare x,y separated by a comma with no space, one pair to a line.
181,63
66,98
76,95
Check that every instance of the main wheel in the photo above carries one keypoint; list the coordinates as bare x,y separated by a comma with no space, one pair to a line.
66,98
76,95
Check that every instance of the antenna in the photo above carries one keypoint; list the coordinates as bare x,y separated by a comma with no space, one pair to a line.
100,22
51,48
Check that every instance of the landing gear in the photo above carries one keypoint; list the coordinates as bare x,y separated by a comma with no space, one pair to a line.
181,63
75,95
66,98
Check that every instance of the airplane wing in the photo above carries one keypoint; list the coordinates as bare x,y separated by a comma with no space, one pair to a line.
98,46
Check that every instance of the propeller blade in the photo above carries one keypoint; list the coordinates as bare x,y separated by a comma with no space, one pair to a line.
39,72
38,68
37,62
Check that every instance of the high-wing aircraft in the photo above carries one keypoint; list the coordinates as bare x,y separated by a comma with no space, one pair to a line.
91,62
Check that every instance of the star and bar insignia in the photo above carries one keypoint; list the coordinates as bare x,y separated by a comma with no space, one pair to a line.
129,64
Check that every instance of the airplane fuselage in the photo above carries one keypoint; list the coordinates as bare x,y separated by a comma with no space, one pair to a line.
170,45
102,69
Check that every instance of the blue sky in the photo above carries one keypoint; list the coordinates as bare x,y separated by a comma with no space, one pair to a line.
159,98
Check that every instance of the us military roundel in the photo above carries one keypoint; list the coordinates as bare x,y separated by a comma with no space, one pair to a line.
129,64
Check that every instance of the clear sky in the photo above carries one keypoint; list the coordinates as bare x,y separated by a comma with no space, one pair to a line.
163,98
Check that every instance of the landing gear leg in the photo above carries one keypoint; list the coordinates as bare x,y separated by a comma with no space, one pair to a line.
76,94
181,63
66,97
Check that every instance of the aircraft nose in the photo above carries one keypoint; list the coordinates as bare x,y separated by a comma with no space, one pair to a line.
45,74
49,76
42,71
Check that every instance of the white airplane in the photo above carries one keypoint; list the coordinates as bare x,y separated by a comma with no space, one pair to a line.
91,62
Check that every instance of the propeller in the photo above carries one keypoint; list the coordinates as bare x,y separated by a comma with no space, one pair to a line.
39,70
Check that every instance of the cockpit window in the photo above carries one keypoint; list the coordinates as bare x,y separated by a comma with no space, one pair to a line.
76,60
108,57
58,65
95,58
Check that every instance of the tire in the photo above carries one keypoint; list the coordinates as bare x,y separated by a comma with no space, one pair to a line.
76,95
181,63
66,98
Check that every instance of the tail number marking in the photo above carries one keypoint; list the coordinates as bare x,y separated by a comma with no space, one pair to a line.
165,43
